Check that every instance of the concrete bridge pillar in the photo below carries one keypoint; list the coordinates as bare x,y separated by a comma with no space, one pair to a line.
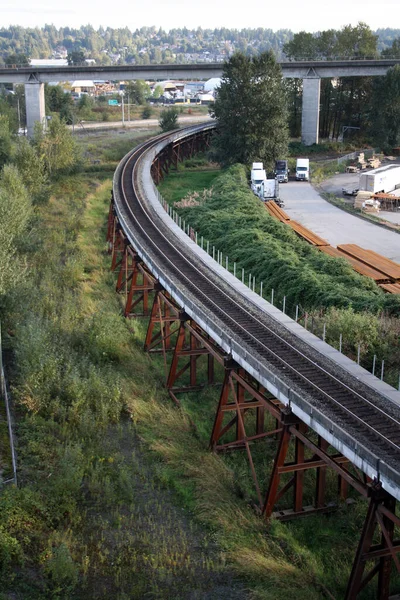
310,112
35,107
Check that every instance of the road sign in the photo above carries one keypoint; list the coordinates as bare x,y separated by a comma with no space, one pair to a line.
113,102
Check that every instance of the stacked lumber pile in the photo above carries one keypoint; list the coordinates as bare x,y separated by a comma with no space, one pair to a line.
374,162
361,197
361,162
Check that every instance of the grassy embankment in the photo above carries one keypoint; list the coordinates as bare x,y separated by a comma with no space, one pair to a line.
100,446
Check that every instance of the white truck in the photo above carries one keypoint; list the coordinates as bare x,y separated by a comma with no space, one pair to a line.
265,189
384,179
303,169
257,178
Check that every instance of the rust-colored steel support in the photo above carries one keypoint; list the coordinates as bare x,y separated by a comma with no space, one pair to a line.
273,495
238,397
137,283
118,246
190,345
381,513
319,460
176,151
163,313
245,396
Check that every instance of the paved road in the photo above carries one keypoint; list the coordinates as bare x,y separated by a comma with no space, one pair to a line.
306,206
138,123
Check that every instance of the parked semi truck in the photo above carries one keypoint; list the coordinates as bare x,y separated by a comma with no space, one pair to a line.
281,171
258,176
303,169
384,179
265,189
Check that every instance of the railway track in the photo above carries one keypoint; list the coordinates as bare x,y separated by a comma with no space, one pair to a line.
374,424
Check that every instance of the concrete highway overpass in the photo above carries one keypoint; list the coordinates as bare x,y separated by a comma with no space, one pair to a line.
311,72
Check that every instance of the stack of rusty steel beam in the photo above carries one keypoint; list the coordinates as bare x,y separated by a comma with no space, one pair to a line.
373,259
385,272
310,236
391,288
357,265
277,212
389,269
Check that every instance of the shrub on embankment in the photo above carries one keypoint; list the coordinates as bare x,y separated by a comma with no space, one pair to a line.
236,222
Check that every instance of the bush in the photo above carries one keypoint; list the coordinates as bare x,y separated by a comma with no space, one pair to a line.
168,119
61,570
146,112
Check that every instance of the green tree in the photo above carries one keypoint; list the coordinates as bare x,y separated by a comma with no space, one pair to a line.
57,100
56,147
76,58
32,170
137,91
393,51
17,59
5,140
303,46
357,42
158,91
251,111
384,114
168,119
15,213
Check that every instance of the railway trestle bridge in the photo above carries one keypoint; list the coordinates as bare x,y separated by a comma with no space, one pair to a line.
278,380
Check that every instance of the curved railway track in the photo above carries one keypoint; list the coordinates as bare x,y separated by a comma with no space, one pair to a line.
375,426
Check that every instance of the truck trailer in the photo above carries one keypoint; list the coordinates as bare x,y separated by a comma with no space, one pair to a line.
270,191
384,179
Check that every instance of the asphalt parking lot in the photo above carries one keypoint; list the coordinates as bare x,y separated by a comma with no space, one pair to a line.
304,204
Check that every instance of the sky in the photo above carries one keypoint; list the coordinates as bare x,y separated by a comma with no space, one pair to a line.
297,15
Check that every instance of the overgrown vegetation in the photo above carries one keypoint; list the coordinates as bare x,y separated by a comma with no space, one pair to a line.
236,223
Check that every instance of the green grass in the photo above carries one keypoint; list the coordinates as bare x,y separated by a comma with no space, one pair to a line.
182,183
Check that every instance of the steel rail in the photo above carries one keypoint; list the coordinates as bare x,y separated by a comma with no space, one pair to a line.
136,155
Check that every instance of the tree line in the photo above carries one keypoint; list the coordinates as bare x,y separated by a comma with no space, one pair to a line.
151,45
